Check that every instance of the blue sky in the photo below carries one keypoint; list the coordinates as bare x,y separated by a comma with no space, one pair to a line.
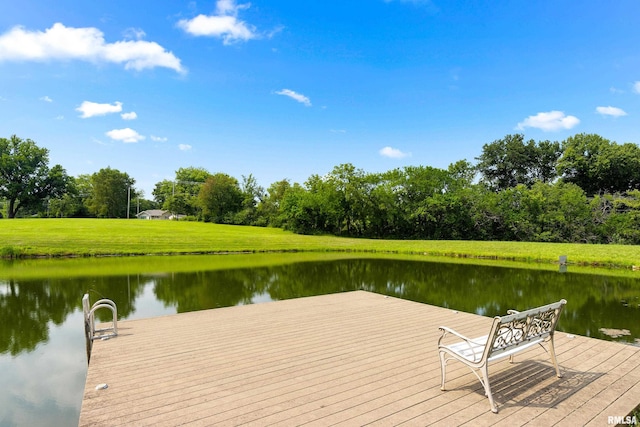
282,89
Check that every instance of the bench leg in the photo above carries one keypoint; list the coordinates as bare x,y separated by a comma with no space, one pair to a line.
487,387
443,369
552,351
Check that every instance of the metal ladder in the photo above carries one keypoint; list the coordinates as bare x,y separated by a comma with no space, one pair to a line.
91,333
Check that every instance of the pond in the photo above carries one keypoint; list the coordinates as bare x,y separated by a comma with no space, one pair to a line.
42,349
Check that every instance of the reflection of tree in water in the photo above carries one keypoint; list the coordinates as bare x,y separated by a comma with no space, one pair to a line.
211,289
24,314
594,301
27,307
123,290
225,288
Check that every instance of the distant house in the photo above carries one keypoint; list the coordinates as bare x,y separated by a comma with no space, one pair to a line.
154,214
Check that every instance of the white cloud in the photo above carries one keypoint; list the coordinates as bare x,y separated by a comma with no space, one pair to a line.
60,117
296,96
551,121
127,135
636,87
134,33
393,153
46,99
92,109
224,24
86,44
229,7
129,116
273,32
611,111
159,138
184,147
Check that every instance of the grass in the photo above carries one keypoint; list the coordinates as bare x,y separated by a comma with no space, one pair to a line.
20,238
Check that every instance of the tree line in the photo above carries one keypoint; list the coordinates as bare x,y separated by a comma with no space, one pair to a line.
583,189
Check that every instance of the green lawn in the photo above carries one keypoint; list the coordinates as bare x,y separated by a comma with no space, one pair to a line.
97,237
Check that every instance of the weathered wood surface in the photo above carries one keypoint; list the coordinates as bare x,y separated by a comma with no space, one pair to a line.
355,358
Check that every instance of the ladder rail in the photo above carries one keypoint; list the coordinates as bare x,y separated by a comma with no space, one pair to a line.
93,333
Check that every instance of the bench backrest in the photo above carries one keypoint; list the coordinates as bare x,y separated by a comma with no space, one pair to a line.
508,332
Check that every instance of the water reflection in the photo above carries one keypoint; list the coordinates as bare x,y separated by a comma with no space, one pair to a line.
42,356
28,308
595,302
43,386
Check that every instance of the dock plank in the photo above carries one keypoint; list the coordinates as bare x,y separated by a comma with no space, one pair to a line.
355,358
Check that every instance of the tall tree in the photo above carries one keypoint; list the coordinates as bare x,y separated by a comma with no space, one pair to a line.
598,165
181,195
617,217
578,163
252,195
564,214
315,208
510,161
353,190
110,194
162,191
220,198
25,178
546,161
71,204
270,209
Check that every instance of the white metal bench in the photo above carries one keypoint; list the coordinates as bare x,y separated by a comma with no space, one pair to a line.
509,334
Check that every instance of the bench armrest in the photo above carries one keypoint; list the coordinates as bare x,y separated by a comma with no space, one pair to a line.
512,312
473,345
446,330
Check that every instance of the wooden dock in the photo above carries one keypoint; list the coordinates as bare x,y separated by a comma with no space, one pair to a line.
355,358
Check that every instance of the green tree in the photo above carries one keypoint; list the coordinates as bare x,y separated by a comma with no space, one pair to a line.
598,165
617,217
71,204
416,188
352,188
510,161
252,195
270,208
111,192
546,161
294,213
563,213
485,213
462,173
220,198
385,215
25,178
324,205
313,209
162,191
181,195
519,209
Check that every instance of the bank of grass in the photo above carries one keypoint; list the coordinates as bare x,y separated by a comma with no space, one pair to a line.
22,238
